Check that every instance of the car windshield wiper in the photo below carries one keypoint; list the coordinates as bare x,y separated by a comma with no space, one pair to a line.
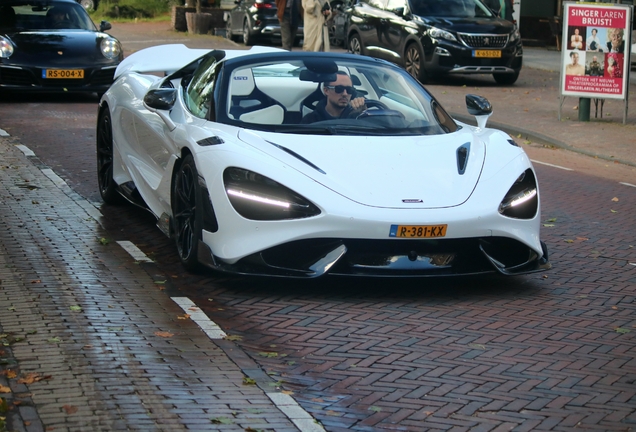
309,129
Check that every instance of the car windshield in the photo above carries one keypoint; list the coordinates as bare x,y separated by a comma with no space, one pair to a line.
290,93
450,8
28,15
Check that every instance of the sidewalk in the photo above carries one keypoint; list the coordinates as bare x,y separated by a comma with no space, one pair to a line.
86,344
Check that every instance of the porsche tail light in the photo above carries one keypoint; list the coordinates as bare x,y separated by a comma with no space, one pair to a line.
522,200
257,197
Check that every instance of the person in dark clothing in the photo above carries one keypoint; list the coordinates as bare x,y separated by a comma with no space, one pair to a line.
289,13
338,102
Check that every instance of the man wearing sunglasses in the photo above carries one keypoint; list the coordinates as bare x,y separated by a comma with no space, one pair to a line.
340,101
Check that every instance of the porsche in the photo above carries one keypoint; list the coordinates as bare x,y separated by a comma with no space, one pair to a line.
213,143
54,46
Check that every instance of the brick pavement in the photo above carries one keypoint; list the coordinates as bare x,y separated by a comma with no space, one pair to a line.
86,344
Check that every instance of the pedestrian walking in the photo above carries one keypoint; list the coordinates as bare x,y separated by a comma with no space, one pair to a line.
316,33
290,13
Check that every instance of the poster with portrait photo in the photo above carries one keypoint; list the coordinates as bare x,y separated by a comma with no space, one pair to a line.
576,37
576,65
604,28
614,65
596,39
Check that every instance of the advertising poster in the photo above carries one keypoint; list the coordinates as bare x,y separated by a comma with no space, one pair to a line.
596,50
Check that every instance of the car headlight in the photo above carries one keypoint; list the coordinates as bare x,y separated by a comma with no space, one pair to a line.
110,48
6,48
436,33
515,35
522,200
257,197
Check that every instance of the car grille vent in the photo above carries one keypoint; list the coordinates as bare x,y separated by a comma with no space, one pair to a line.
483,41
10,76
104,76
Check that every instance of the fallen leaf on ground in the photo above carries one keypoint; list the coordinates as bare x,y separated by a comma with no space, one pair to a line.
615,199
70,409
164,334
4,389
33,377
184,317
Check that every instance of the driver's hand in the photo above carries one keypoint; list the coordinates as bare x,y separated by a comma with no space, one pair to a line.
358,104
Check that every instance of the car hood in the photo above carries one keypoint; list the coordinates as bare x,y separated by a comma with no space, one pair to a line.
390,172
58,47
471,25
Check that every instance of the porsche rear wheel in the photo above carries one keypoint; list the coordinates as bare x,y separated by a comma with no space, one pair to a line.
186,212
105,181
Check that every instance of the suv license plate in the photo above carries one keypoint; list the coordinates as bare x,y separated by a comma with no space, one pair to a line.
487,53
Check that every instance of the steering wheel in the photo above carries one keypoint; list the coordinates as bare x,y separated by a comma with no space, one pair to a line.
375,104
377,108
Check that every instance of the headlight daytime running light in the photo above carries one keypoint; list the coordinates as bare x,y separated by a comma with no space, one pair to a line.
6,48
522,200
436,33
110,48
257,197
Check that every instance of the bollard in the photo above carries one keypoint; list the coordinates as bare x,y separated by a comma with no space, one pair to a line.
584,109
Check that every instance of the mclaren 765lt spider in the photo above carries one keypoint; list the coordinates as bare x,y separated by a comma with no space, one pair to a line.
302,164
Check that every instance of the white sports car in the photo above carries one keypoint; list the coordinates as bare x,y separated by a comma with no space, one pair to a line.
212,143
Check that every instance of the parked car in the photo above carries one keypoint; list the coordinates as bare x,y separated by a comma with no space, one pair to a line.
255,20
40,53
221,149
435,37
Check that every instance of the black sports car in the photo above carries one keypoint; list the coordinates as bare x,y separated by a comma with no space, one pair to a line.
435,37
53,45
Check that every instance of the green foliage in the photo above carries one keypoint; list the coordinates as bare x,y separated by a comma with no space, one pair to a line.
133,9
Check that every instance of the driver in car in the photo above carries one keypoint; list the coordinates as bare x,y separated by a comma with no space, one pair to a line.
338,102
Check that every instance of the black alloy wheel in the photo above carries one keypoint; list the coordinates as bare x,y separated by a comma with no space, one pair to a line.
186,217
105,181
355,45
413,62
248,39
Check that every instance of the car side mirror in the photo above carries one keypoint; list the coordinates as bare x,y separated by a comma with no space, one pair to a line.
105,25
480,107
160,101
399,11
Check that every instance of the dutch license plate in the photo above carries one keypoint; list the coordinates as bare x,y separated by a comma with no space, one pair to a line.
418,231
63,73
487,53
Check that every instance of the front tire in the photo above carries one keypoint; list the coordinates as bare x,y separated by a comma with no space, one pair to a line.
228,29
186,213
354,44
414,62
106,183
248,39
506,79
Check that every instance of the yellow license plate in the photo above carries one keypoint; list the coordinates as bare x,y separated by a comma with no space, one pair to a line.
63,73
418,231
487,53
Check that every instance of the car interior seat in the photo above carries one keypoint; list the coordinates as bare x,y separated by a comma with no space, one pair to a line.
249,104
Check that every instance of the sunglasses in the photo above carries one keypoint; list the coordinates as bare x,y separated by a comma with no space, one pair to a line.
340,88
